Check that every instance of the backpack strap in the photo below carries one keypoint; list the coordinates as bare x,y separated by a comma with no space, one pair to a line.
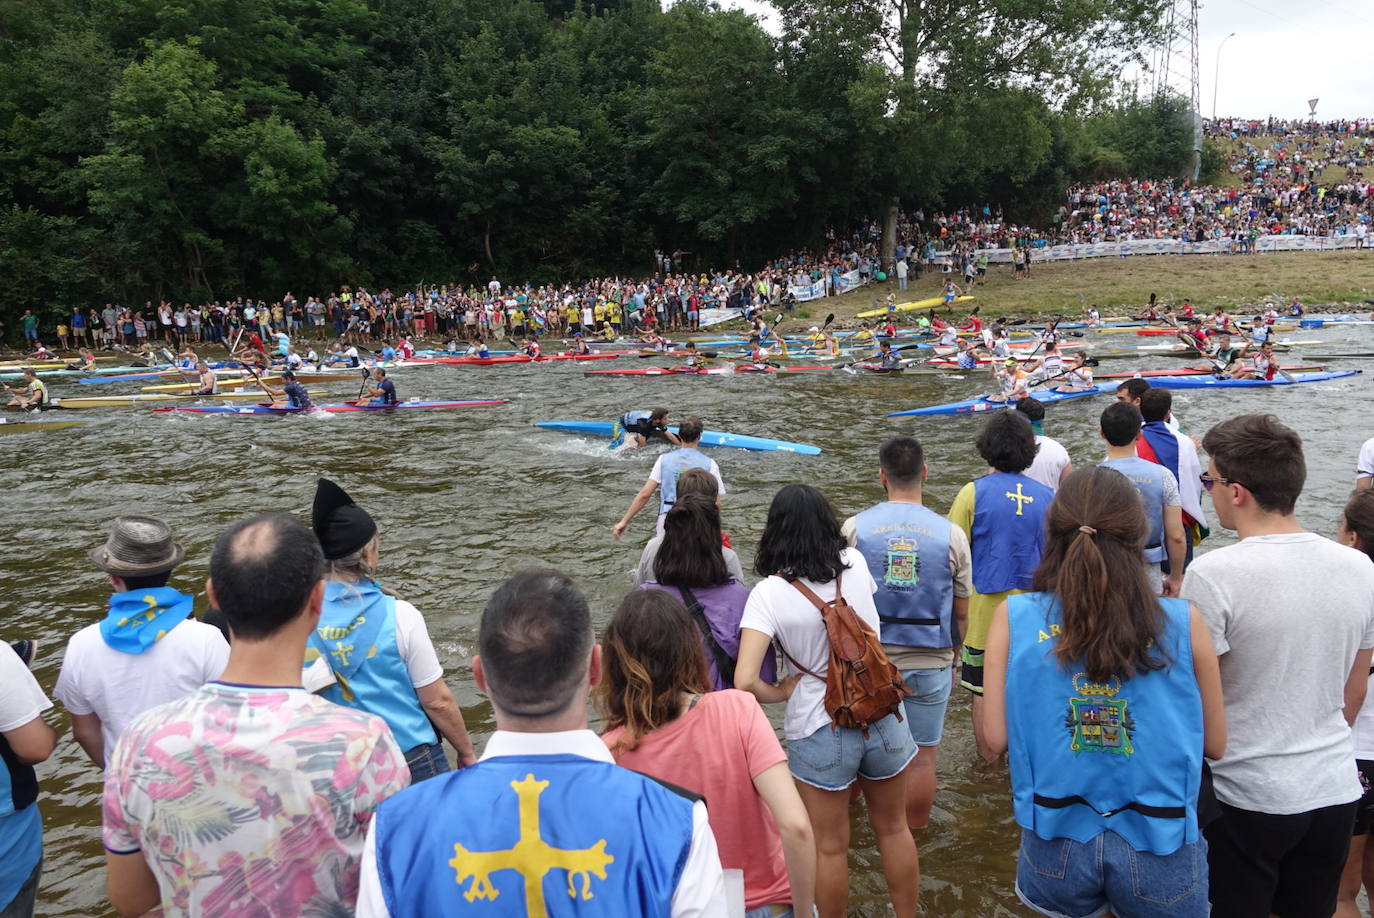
820,606
725,666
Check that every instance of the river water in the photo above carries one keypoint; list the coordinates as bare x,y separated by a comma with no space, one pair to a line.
463,498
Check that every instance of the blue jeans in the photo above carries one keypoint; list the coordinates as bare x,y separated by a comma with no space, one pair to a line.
21,906
924,708
1063,878
832,757
766,911
426,762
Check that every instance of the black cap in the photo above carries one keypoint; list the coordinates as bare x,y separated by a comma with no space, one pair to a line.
341,525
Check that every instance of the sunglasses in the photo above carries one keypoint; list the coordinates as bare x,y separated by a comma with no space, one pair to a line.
1208,481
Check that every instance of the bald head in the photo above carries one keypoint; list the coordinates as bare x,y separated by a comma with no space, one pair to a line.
263,572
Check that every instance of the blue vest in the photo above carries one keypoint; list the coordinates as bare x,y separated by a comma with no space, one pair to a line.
1088,758
907,550
674,464
361,650
1008,531
1148,478
555,835
21,827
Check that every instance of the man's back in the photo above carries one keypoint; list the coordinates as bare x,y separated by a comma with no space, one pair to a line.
267,791
1287,613
1050,461
116,686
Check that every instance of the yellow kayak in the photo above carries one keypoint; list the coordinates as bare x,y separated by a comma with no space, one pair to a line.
931,303
192,386
118,401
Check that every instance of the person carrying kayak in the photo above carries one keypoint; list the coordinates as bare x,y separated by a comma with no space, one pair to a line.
949,292
634,428
384,392
291,395
33,396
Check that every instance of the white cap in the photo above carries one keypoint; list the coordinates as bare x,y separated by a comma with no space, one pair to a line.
815,328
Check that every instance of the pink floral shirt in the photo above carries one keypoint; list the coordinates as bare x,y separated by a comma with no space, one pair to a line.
250,802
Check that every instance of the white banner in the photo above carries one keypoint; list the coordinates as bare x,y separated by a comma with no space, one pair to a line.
1175,247
848,281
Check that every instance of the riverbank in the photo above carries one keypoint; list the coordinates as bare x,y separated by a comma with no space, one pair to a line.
1323,281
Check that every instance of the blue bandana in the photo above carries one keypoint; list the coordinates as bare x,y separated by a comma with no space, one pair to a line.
352,615
138,619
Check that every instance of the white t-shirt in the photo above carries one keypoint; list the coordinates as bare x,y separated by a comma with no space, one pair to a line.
1287,614
1365,467
415,647
779,610
1050,460
116,686
21,700
656,476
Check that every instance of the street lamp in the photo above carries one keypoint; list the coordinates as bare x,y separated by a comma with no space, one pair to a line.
1216,77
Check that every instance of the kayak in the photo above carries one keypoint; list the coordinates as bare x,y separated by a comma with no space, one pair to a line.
968,406
1175,331
706,371
1185,350
1212,382
930,303
708,437
116,401
1366,355
1191,371
339,408
32,424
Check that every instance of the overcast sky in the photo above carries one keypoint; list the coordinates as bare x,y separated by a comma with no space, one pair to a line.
1283,54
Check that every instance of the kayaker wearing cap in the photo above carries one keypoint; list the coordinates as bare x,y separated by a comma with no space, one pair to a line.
377,646
384,392
292,394
146,651
636,427
32,396
1013,380
663,477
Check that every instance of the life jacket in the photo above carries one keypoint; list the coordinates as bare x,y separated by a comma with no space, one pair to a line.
673,464
907,550
1148,479
1121,756
555,835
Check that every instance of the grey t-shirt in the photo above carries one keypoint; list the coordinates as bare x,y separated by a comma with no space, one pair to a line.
645,572
1287,614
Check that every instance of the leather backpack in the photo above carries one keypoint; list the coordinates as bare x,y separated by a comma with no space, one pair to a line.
862,686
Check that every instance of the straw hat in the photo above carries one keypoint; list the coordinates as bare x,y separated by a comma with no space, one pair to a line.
138,546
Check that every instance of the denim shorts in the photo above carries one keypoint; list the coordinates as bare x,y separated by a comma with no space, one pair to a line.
832,757
426,762
924,708
1063,878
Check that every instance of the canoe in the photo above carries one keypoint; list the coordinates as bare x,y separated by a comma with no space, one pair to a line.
969,406
1366,355
118,401
339,408
30,424
1212,382
708,437
100,374
933,302
728,370
1191,371
1174,331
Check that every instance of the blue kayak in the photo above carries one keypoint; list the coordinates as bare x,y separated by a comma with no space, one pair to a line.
340,408
969,406
1212,382
708,437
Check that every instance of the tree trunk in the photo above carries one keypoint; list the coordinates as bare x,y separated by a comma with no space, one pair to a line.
890,237
486,244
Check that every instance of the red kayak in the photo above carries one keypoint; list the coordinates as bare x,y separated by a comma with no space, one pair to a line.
1159,332
525,358
705,371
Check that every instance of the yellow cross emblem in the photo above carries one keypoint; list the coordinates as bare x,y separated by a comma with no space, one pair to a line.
1021,499
531,857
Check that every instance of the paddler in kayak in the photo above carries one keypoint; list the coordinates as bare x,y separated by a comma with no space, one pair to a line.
967,357
207,380
694,359
580,346
1263,365
32,396
381,391
1078,377
342,357
756,356
477,348
1194,336
41,354
973,324
291,395
85,361
633,429
887,358
1051,363
1013,380
531,347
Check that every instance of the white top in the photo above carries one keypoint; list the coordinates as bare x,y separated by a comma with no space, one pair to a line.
1190,477
656,474
415,647
1050,460
700,889
1365,467
1287,614
778,609
116,687
21,700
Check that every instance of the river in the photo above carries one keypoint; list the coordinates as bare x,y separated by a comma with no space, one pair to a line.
463,498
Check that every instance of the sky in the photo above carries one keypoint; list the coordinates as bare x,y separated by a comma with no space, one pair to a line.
1283,54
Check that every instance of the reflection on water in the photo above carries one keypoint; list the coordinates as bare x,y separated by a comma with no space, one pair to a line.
465,497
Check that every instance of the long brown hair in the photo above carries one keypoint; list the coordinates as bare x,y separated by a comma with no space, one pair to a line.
651,652
1358,517
1111,618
